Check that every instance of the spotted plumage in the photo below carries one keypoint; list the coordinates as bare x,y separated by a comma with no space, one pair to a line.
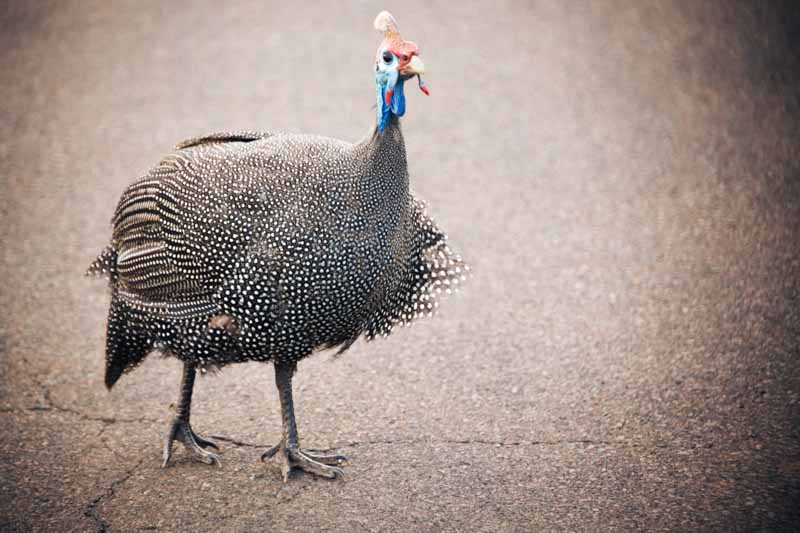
305,242
268,247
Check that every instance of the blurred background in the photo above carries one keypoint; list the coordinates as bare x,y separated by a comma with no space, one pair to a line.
622,176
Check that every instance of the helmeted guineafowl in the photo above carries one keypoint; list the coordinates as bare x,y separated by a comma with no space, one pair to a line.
270,246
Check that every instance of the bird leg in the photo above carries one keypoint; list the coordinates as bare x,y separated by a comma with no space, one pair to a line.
288,450
181,430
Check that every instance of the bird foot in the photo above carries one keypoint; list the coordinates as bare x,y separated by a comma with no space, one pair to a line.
311,461
181,430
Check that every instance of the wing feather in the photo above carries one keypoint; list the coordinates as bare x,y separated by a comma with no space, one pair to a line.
223,137
162,263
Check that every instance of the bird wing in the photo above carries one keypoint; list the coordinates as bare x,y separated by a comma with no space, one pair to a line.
223,137
168,225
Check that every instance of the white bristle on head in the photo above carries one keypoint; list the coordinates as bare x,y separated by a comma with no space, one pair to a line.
385,22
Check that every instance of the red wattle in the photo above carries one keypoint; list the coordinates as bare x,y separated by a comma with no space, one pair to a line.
388,96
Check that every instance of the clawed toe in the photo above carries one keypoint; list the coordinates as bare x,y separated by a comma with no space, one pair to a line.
182,432
298,459
326,459
311,461
288,451
270,453
203,443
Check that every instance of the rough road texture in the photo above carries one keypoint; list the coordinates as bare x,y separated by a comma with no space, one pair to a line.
623,176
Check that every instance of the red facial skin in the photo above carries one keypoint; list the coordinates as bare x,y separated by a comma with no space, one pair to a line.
403,50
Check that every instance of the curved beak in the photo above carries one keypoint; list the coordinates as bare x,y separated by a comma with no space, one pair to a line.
415,66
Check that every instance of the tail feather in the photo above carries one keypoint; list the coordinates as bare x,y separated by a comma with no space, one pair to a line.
105,265
127,340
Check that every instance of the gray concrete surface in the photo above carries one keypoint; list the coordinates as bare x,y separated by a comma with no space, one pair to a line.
623,176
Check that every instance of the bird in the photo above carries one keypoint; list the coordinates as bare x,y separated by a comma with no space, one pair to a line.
269,247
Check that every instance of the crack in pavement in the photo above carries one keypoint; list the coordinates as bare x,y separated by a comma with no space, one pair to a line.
239,442
497,443
91,511
49,404
559,442
104,442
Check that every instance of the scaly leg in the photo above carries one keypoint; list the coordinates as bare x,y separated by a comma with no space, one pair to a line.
288,451
181,430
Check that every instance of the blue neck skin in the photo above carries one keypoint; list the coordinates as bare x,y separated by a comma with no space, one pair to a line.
386,81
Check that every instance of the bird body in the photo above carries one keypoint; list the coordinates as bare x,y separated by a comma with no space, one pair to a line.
303,242
269,246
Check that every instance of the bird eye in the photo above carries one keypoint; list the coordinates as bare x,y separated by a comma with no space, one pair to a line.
387,57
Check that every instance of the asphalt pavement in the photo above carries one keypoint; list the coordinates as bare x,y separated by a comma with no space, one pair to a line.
623,178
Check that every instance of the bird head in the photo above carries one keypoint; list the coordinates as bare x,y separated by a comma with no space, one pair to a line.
396,62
